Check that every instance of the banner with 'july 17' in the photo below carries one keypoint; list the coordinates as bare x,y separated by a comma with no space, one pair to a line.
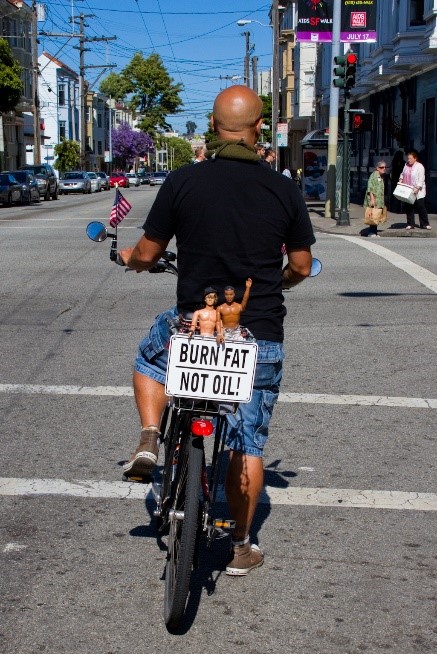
315,21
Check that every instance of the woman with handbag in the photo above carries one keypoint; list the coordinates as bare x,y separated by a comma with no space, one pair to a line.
374,205
413,174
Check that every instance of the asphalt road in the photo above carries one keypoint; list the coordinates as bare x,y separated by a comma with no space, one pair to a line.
348,518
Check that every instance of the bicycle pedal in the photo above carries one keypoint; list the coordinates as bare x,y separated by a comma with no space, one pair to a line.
220,523
136,479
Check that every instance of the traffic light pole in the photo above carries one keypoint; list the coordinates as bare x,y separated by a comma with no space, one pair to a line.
343,216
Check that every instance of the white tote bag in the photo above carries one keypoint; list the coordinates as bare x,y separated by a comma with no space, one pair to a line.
404,193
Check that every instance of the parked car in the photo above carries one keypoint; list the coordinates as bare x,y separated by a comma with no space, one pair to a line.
10,189
144,176
120,179
75,181
95,183
133,178
158,178
104,180
46,178
29,186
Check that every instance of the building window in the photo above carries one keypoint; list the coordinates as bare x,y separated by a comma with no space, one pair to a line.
61,95
99,147
99,120
416,12
61,129
88,114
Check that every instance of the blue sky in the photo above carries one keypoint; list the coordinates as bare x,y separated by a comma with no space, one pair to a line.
199,41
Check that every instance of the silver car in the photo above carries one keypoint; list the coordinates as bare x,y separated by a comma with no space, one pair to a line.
76,181
133,179
158,178
96,186
104,180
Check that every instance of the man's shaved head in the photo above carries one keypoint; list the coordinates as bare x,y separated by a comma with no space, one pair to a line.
237,112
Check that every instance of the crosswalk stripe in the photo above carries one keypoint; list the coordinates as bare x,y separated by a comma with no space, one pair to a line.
292,496
293,398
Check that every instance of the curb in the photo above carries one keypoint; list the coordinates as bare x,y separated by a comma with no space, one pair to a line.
393,227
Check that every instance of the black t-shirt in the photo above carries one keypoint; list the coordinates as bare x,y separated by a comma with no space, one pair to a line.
230,219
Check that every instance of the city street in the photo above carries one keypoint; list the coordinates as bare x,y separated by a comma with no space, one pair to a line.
348,518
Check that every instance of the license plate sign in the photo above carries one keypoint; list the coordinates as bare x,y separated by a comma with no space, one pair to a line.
201,368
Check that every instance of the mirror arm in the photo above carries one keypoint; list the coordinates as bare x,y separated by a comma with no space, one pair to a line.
113,251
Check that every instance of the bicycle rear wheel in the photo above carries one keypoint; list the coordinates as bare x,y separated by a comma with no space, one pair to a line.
184,522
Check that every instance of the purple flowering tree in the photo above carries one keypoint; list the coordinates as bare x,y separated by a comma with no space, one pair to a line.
128,144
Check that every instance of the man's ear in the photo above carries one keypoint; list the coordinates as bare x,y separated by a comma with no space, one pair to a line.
212,124
258,126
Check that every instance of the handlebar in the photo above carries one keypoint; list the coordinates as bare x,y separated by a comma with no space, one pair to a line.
98,232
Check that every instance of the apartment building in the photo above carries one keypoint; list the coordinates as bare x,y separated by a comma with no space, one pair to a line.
16,29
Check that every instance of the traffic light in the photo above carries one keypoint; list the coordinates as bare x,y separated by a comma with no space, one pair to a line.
362,122
340,71
351,69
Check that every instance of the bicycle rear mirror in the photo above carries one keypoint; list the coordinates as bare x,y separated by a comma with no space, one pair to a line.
96,231
316,267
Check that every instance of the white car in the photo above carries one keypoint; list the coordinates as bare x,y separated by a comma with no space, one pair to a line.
133,179
96,185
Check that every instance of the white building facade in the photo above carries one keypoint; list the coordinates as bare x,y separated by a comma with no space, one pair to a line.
59,103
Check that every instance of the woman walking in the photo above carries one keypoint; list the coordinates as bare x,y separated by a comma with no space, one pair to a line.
375,194
413,174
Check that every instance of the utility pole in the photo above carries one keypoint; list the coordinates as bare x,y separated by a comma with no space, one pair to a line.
275,86
82,49
35,92
333,117
246,60
82,94
255,74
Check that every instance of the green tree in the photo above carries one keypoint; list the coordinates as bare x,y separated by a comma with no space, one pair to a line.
266,135
115,87
149,89
209,134
180,152
11,86
191,127
68,155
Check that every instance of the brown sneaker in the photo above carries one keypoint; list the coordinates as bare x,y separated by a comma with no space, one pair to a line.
144,458
245,558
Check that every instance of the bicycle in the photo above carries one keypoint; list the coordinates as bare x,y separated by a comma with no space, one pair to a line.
205,381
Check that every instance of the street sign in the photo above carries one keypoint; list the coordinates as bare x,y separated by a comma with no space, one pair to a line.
281,140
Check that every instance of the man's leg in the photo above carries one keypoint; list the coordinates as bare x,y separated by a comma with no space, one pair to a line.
150,399
244,483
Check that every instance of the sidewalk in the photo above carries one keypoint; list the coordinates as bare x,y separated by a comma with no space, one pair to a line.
394,226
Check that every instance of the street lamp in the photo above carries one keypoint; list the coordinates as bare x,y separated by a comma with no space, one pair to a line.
242,22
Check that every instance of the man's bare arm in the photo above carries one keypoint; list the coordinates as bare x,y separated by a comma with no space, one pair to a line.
297,268
145,253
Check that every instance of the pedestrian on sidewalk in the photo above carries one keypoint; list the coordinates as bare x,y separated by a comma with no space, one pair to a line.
375,194
413,174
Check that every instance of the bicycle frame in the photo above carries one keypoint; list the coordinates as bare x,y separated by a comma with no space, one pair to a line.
187,493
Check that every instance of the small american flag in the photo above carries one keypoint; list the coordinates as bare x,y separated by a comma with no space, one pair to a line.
120,209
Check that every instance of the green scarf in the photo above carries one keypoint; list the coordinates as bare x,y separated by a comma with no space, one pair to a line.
231,150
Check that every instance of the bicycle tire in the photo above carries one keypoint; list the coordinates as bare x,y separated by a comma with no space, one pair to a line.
183,533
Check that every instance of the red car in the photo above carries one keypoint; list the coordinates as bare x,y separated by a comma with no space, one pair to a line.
120,179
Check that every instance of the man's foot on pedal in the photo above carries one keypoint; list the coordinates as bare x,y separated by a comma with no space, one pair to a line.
245,558
144,459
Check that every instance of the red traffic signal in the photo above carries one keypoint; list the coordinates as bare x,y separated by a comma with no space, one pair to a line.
362,122
351,69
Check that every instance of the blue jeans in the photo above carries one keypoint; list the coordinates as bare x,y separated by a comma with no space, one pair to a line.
248,428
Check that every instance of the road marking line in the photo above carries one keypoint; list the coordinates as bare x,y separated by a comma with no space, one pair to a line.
292,398
299,496
358,400
418,273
